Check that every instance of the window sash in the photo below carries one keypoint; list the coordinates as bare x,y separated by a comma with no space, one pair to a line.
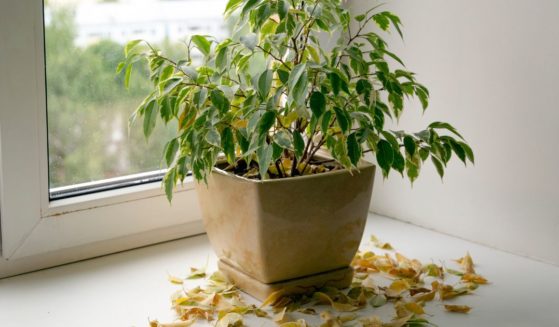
31,224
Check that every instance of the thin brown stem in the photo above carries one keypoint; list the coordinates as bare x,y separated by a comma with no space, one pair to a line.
273,56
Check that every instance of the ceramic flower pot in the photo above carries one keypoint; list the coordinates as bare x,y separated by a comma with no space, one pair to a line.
267,232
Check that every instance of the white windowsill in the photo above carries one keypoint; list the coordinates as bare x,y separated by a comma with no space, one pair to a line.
126,289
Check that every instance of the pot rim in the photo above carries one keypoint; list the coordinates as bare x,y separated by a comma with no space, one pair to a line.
363,164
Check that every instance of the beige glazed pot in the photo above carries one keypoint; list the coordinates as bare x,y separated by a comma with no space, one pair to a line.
286,233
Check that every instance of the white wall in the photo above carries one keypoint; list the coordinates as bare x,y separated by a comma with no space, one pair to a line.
493,71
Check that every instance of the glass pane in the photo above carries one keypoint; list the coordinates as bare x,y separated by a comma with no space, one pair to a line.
88,106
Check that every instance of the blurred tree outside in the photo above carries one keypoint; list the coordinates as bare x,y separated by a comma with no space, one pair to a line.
88,109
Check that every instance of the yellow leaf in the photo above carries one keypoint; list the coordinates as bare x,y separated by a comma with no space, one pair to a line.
397,287
343,307
231,320
241,123
298,323
307,311
467,263
289,119
385,246
175,280
196,273
373,321
457,308
280,316
286,164
433,270
307,171
400,322
414,308
425,297
273,169
180,300
404,309
185,323
273,298
379,244
474,278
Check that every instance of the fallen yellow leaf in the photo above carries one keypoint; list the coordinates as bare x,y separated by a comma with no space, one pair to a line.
298,323
175,280
474,278
457,308
467,263
397,287
342,307
231,320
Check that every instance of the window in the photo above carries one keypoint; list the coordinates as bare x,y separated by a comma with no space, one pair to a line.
46,216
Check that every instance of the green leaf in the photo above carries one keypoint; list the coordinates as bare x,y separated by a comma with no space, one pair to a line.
277,151
283,76
166,73
468,150
363,86
385,156
228,144
359,18
249,40
150,117
423,153
412,170
202,44
131,45
335,82
169,182
296,75
219,101
283,8
391,139
299,92
382,21
243,142
378,301
325,123
447,126
167,86
354,150
265,83
283,139
120,67
213,137
298,144
317,103
232,5
127,74
248,6
264,155
399,162
266,122
459,150
221,58
395,22
410,145
439,165
170,151
343,119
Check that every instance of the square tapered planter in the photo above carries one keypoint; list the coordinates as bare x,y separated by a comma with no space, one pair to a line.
271,233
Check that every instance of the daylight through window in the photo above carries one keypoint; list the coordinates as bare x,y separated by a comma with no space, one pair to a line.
88,106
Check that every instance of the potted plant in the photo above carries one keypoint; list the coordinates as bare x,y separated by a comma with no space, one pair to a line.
274,126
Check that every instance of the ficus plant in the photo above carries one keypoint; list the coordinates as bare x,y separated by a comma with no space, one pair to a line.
271,96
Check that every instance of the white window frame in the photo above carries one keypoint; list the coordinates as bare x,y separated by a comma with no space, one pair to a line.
35,232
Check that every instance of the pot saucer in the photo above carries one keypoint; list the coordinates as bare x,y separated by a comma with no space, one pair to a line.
339,278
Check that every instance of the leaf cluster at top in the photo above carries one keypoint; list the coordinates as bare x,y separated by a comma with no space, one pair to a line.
271,91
